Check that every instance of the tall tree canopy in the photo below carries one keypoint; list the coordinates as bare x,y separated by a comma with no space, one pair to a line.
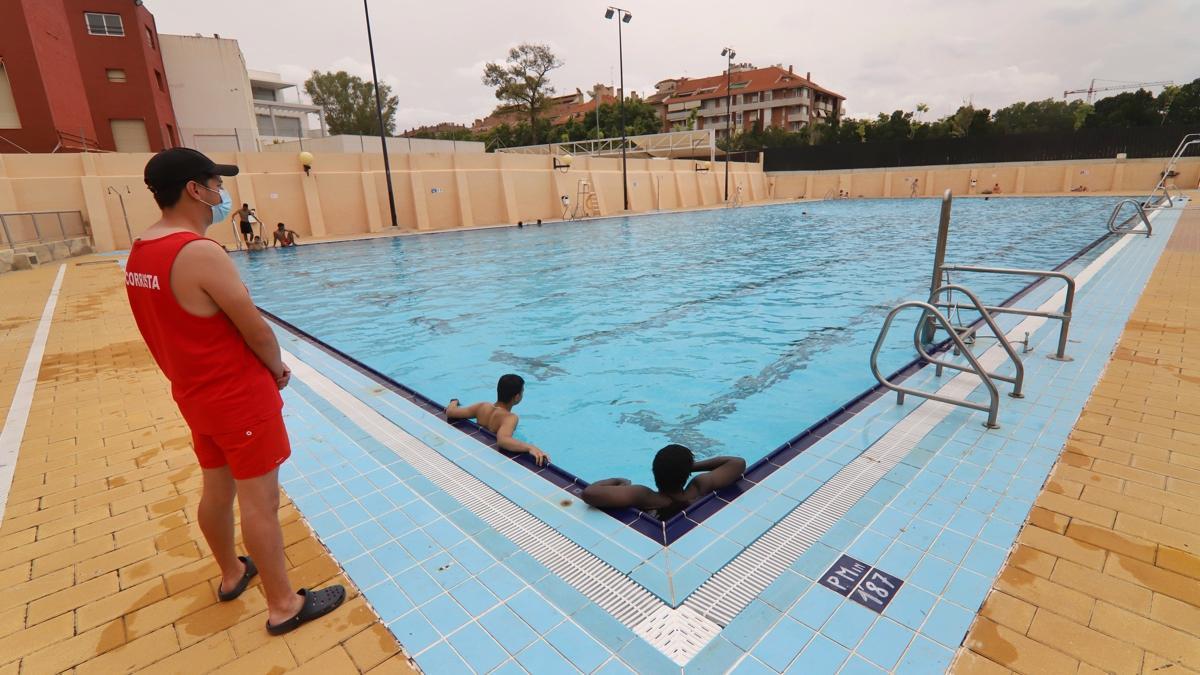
523,80
349,103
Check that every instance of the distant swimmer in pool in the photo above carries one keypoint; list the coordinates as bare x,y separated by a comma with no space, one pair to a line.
672,467
498,417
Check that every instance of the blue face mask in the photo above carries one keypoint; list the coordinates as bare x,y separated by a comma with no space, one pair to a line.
220,210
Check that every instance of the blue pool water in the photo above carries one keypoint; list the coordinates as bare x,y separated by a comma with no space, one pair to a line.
728,330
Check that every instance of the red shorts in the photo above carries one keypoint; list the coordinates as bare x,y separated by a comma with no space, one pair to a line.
250,452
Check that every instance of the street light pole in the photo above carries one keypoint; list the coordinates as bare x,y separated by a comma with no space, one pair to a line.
728,51
622,17
387,165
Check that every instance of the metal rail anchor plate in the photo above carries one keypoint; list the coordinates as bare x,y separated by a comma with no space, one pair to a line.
993,406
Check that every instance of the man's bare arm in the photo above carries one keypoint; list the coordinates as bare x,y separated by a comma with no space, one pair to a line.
615,493
504,438
720,472
456,412
218,278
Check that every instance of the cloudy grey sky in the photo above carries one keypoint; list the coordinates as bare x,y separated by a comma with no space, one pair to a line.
880,54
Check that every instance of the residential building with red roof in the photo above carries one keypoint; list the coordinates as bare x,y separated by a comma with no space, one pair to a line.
561,109
763,97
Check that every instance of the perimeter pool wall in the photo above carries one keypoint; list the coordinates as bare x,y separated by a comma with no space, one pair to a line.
1132,176
345,195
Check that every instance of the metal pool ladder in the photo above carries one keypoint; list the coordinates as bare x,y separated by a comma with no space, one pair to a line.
1128,229
931,313
1154,201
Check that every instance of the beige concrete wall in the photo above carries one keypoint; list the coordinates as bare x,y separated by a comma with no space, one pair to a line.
1133,176
210,92
346,194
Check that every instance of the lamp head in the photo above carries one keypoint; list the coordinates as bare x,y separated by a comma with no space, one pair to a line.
627,17
608,13
306,160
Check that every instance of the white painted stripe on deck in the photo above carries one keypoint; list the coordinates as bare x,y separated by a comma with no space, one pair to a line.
18,412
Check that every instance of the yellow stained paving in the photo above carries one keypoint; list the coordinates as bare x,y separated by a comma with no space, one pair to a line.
23,299
1105,576
102,566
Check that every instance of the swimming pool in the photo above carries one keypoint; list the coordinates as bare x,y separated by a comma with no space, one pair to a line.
726,330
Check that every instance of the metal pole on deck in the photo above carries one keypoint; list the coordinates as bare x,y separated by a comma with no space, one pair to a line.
939,259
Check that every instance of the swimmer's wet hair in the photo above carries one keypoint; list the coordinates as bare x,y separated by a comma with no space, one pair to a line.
509,387
672,466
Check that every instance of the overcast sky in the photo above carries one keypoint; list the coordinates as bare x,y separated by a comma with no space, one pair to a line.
879,54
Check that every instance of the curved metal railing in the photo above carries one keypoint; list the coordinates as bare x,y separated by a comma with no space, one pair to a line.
1154,201
993,406
1141,213
1016,380
1068,304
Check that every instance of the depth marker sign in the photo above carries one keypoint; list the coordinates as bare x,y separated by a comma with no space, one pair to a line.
860,582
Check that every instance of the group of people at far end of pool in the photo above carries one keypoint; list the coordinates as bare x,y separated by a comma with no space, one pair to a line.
673,465
245,217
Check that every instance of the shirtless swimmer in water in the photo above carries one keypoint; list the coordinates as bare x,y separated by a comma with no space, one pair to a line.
498,417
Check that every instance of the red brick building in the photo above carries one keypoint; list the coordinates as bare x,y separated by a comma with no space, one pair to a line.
82,74
764,97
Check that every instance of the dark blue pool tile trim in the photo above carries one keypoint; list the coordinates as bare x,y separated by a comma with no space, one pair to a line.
671,530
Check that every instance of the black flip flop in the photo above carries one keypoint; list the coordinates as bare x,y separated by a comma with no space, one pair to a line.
316,605
251,572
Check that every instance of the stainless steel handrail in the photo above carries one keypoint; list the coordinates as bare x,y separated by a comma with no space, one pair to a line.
928,310
1141,213
1064,316
1162,182
1016,380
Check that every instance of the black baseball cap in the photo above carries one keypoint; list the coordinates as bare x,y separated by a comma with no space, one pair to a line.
180,165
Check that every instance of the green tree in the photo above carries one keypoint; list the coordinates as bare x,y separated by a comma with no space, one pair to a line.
1182,105
523,81
1127,109
1040,116
895,127
349,103
640,118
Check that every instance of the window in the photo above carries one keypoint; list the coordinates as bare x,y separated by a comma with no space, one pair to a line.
262,93
265,128
130,135
740,85
9,119
104,24
149,37
162,84
287,126
115,75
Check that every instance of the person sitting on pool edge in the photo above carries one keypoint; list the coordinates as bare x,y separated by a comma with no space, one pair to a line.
499,418
284,237
672,466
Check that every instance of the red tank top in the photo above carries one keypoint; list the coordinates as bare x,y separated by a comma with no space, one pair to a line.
217,381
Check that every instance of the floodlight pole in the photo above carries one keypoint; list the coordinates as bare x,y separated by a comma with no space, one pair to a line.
728,113
387,165
622,16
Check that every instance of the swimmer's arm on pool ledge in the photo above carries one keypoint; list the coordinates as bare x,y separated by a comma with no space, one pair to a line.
719,472
504,438
615,493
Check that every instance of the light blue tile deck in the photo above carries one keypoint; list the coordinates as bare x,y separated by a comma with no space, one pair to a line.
462,598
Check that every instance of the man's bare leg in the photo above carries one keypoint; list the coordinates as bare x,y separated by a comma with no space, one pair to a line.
259,501
215,516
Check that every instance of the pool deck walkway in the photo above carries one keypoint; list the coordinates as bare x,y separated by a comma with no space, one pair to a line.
103,569
1105,575
102,566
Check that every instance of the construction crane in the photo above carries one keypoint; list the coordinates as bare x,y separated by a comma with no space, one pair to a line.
1117,85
